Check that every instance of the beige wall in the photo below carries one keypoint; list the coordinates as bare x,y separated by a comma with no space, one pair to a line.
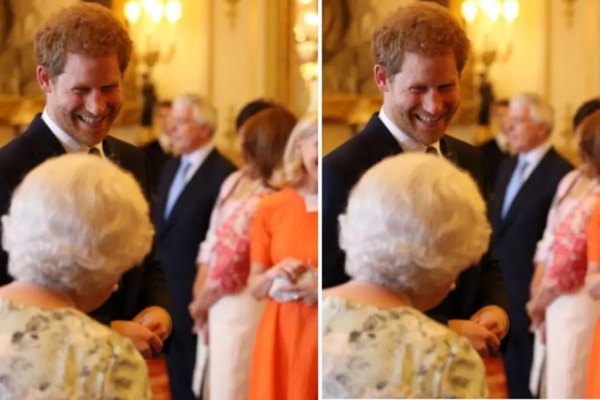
189,69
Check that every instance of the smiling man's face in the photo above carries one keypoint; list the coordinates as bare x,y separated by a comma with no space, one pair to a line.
85,98
423,97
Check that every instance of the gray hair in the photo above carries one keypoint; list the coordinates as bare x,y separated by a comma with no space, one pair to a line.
202,110
75,224
413,222
540,110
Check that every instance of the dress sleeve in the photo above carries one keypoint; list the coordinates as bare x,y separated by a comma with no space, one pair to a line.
464,375
543,246
260,236
568,268
205,248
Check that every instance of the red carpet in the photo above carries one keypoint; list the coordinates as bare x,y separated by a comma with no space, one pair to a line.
159,379
496,378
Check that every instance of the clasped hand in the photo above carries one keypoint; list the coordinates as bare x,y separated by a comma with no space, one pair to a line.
484,329
291,269
148,330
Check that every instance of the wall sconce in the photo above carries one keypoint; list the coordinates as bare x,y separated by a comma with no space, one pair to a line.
489,25
152,39
569,12
306,33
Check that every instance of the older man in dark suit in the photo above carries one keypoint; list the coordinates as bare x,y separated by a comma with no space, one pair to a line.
524,191
186,195
82,53
419,51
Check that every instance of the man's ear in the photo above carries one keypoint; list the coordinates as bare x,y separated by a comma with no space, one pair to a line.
381,78
43,78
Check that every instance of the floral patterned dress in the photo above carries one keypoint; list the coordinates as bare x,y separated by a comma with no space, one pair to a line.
372,352
571,316
234,318
64,354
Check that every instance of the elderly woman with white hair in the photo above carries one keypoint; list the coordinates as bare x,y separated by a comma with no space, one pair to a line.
76,223
412,224
284,255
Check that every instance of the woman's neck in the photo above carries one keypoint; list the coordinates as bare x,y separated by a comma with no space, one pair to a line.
371,294
308,185
32,294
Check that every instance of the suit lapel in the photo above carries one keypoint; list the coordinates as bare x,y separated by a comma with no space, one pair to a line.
380,140
168,174
189,192
528,189
504,175
46,145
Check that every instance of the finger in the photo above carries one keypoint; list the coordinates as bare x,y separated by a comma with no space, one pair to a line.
153,325
482,349
144,349
197,328
155,343
492,342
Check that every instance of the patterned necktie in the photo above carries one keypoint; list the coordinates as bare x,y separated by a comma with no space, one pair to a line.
95,152
432,150
516,181
177,185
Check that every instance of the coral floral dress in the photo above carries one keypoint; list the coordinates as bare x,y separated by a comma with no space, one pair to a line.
285,357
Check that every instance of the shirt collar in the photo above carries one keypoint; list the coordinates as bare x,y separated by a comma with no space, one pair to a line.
197,157
406,142
534,156
68,143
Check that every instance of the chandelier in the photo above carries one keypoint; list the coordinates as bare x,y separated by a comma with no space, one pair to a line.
490,26
152,25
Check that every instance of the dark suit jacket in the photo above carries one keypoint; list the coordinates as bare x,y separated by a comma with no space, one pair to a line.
141,287
478,286
179,236
494,156
516,236
157,157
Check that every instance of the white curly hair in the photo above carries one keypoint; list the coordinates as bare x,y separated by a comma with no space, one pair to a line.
75,224
413,223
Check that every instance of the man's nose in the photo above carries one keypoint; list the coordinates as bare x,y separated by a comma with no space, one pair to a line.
432,102
95,103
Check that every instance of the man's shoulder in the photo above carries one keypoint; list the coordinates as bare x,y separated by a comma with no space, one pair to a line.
461,145
15,149
220,165
17,157
362,150
116,144
558,161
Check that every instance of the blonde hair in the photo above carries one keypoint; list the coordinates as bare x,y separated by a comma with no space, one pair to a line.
294,170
